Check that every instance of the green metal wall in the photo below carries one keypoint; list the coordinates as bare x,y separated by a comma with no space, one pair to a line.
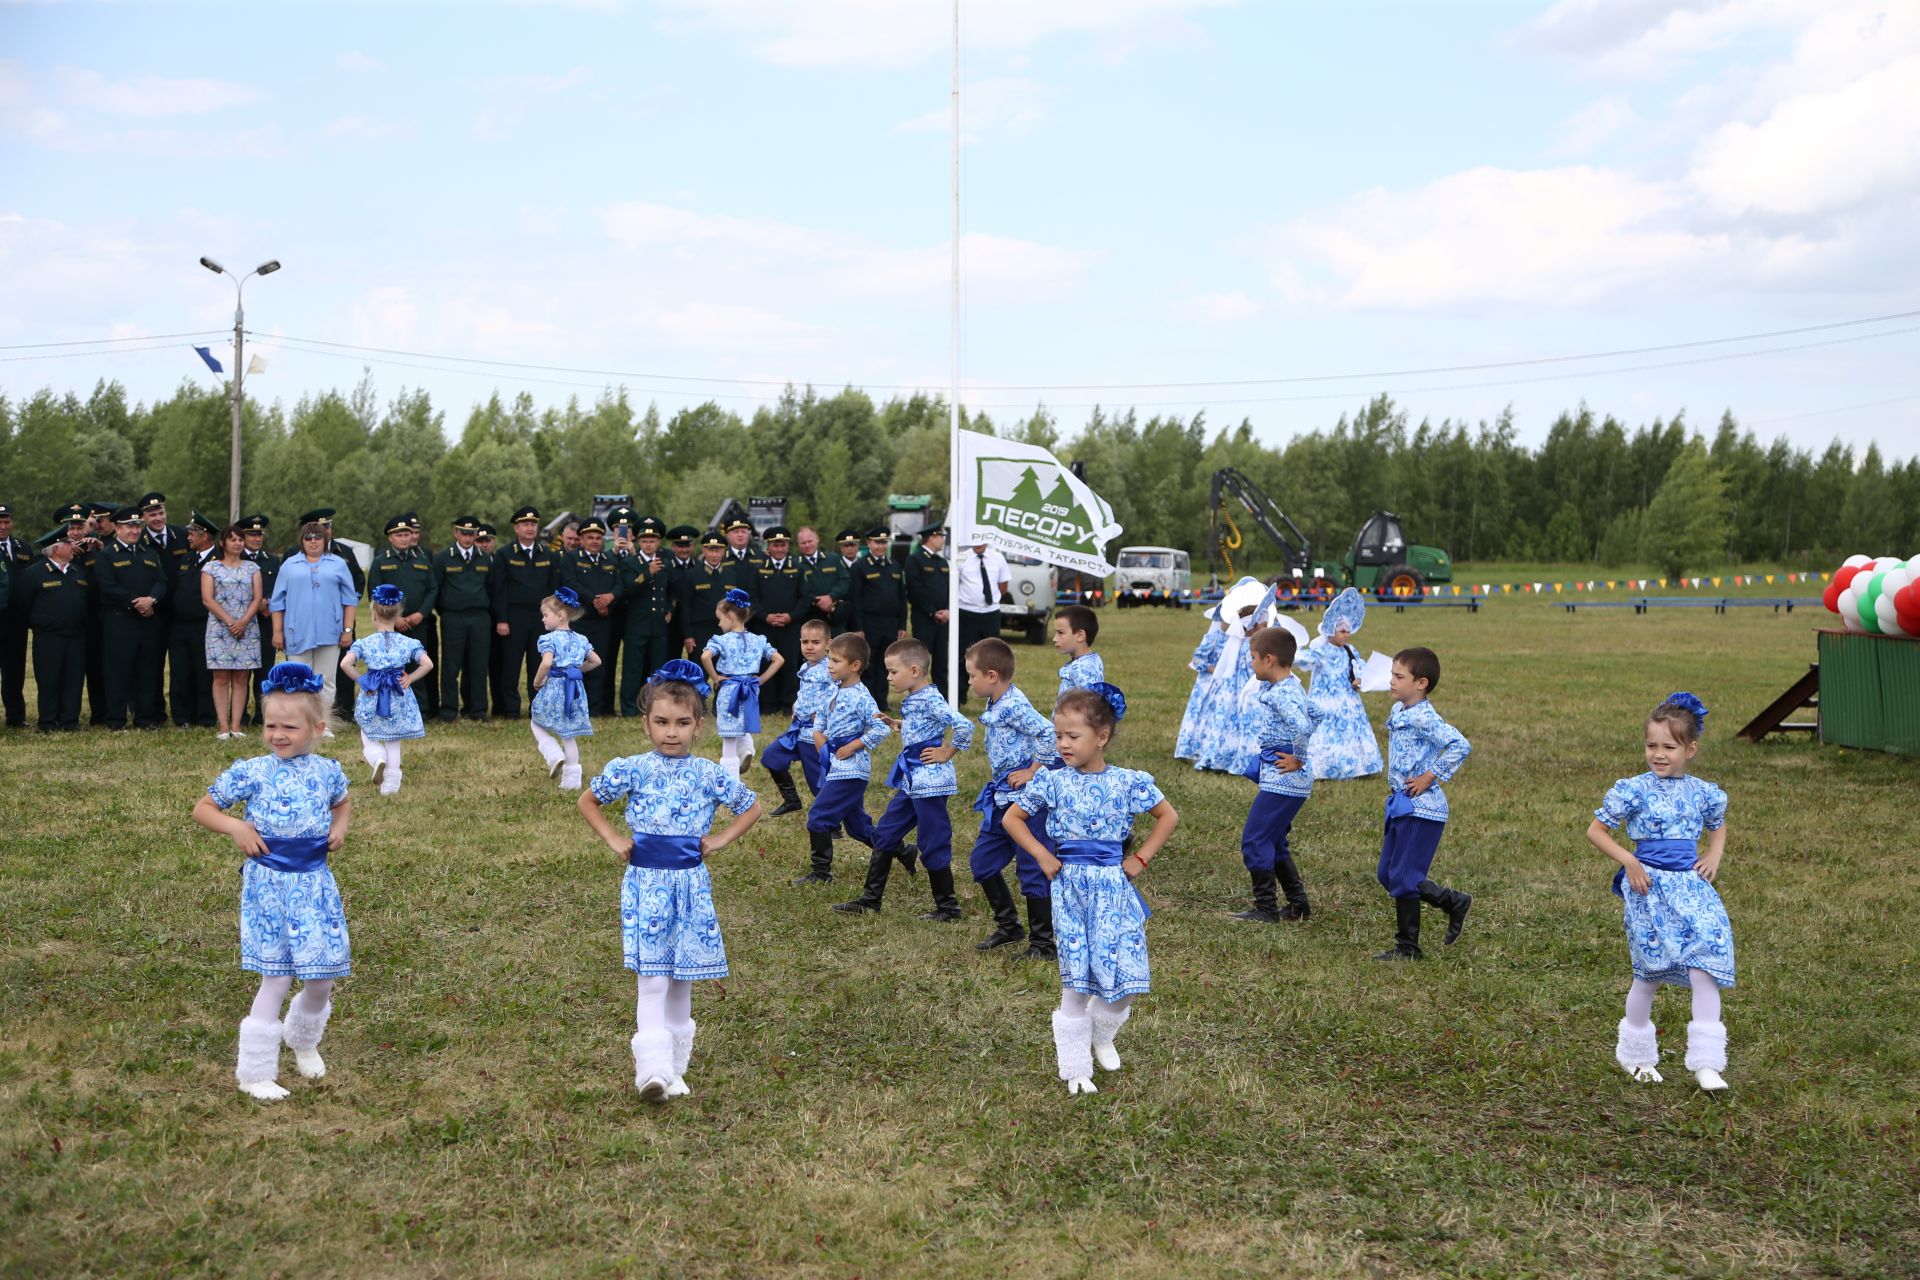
1870,692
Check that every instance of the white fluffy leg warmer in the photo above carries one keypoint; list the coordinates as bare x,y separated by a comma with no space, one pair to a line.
549,750
259,1060
1706,1046
1637,1046
682,1054
1107,1020
652,1063
302,1034
1073,1045
373,753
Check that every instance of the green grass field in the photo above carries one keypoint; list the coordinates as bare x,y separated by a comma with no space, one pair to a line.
873,1097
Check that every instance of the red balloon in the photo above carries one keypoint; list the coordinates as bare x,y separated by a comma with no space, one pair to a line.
1846,574
1907,599
1831,596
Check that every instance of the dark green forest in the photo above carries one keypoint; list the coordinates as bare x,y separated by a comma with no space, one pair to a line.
1595,490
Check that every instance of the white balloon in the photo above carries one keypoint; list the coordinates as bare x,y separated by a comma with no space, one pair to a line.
1854,562
1896,579
1914,564
1850,610
1889,619
1886,562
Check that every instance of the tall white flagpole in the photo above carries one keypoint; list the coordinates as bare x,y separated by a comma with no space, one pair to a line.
955,527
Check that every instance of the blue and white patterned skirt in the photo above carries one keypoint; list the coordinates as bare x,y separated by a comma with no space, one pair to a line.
292,923
667,924
402,721
550,711
1100,927
1186,744
1678,924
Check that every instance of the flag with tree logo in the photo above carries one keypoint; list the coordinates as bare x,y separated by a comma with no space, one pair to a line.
1020,498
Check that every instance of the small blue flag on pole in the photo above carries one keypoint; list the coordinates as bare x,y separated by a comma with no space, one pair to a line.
208,357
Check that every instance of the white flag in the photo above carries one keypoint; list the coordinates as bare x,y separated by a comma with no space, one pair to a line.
256,365
1020,498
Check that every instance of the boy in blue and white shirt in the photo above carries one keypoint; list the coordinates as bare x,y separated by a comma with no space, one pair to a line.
923,780
815,687
1020,741
845,732
1423,751
1283,728
1075,628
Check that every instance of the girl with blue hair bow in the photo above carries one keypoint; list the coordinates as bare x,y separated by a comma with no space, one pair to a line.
560,688
738,661
385,708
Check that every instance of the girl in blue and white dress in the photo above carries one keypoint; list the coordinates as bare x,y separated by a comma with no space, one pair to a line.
1205,654
1677,927
1099,918
737,661
560,690
668,930
1343,741
1223,738
292,923
384,707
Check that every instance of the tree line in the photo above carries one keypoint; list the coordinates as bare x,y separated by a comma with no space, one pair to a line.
1593,491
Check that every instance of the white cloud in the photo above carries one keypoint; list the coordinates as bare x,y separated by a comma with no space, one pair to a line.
364,129
1009,107
1564,235
891,34
1593,124
1818,152
833,262
510,99
1647,38
1230,307
354,60
151,95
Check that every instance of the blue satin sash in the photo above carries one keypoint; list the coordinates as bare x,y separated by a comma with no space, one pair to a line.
827,753
294,853
908,760
1270,756
1661,855
1399,805
665,853
576,685
384,682
740,695
983,804
1097,853
790,739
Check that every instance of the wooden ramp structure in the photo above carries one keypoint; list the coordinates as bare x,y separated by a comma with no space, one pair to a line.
1803,693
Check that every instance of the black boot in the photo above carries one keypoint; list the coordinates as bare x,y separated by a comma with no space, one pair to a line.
1451,901
1294,888
1265,902
1040,930
876,887
1006,920
905,855
1406,938
822,872
945,905
789,794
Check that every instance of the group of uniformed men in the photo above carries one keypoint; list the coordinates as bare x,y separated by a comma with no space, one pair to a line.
111,594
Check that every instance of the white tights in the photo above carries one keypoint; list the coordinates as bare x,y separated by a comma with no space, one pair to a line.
733,749
663,1002
1706,999
568,748
378,751
313,997
1075,1004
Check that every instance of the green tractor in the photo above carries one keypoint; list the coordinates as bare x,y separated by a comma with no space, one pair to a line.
1380,561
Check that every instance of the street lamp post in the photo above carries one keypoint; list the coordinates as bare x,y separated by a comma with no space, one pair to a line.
266,268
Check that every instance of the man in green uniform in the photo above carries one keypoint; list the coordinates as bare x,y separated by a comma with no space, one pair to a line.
189,683
742,564
878,599
253,532
404,565
829,580
680,564
461,592
88,529
525,572
170,540
18,555
595,577
704,587
133,577
647,594
59,597
779,607
927,583
619,545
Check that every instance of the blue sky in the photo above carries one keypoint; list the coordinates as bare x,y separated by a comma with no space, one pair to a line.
1155,191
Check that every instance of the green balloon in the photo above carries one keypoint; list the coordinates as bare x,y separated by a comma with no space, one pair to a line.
1870,616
